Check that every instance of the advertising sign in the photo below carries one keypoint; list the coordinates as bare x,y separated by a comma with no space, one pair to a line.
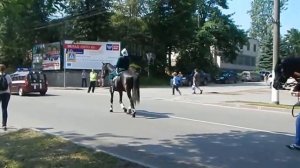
46,56
37,56
89,54
51,58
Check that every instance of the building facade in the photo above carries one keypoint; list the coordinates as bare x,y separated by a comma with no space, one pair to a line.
245,61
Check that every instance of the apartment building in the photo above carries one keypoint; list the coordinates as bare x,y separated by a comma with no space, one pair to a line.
245,61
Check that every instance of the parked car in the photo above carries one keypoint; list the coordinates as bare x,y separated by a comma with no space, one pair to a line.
289,83
227,77
248,76
28,82
205,78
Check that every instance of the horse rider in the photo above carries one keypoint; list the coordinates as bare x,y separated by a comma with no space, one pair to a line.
122,64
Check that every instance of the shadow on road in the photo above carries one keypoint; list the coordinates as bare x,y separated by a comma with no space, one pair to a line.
232,149
151,115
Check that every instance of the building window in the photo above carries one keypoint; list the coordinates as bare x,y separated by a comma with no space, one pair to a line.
248,47
254,47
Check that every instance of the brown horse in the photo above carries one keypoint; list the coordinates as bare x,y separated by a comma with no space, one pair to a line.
128,82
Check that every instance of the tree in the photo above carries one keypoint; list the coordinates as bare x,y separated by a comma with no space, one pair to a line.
18,27
261,15
170,24
266,57
213,29
292,42
87,20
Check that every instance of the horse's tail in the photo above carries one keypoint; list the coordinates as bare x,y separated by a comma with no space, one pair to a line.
136,89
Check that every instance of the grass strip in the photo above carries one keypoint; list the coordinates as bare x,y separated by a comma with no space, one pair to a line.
27,148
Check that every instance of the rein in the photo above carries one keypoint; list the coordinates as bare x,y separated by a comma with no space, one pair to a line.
297,104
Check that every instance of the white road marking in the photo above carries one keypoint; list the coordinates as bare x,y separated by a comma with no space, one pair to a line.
219,124
224,106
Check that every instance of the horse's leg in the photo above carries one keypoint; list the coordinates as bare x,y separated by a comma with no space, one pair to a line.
121,102
111,99
131,108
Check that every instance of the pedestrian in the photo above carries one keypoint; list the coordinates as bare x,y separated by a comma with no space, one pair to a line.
176,83
5,88
296,145
83,79
100,80
180,75
196,81
93,80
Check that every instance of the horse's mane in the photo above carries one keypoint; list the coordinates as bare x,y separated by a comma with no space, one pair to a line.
109,66
290,64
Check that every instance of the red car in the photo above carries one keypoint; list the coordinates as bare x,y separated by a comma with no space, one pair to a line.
28,82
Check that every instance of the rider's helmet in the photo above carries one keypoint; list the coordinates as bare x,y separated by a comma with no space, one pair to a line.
124,52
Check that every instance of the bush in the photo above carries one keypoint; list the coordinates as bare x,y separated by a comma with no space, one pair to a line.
154,81
135,67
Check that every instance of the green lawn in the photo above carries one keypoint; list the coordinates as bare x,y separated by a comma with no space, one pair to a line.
31,149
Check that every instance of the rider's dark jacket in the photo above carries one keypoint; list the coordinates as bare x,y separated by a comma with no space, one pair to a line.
122,64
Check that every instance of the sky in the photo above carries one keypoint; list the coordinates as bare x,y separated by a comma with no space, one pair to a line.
288,18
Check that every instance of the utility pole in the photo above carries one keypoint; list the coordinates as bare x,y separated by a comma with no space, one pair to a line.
276,43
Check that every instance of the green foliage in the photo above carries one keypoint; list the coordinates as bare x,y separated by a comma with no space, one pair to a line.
19,22
154,81
266,57
261,14
291,43
189,27
135,67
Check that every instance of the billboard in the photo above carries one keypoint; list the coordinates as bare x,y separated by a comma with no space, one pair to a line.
89,54
46,56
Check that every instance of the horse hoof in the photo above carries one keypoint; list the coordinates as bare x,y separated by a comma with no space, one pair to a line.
129,111
125,110
133,114
111,111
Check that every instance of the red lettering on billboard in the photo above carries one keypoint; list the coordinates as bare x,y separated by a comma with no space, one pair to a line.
115,47
82,46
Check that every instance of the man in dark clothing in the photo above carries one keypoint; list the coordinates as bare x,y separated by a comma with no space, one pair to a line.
196,81
123,62
122,65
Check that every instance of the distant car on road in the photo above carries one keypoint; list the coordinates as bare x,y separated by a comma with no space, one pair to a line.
227,77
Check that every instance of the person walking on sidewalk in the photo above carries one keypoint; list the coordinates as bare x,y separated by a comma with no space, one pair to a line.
296,145
5,88
176,83
83,79
196,81
93,80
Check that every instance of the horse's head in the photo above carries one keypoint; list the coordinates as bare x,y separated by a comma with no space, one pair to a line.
106,69
281,74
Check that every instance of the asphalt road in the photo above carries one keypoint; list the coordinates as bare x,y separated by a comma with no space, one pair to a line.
208,130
